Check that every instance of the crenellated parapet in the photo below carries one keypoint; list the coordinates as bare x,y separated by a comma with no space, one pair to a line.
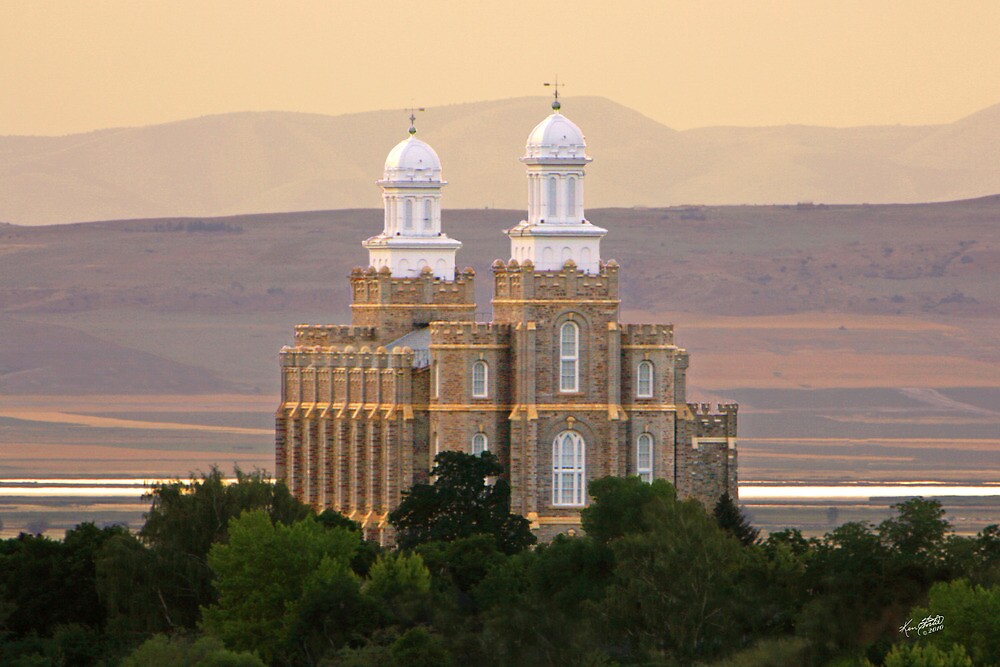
652,335
520,281
316,356
718,424
470,333
332,335
371,286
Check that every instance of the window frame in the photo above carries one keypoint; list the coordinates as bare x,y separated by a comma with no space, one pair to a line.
477,439
485,389
575,474
573,358
644,365
645,473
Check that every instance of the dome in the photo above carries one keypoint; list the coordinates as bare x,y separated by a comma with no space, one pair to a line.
556,137
412,160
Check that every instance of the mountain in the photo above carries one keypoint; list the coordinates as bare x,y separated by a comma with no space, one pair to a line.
279,161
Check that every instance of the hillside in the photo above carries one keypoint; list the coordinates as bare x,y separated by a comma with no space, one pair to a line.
861,341
278,161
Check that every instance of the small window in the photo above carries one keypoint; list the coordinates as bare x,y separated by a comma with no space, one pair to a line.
644,384
569,357
437,379
480,377
479,444
570,197
568,469
644,458
408,214
428,214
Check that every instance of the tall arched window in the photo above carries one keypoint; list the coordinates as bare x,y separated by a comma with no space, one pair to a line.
570,197
480,377
644,457
569,357
428,213
553,203
408,214
479,444
644,380
568,469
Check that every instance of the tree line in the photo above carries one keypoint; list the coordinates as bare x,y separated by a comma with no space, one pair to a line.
242,574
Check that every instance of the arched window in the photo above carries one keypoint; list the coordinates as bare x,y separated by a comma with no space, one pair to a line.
428,213
570,197
553,198
568,469
408,214
437,379
644,457
644,380
480,376
479,444
569,357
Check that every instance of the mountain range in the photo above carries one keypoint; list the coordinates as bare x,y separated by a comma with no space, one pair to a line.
263,162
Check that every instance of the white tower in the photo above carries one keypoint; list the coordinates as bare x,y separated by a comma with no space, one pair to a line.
411,191
556,229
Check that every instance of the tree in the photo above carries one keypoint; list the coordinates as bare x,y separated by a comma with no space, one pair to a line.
619,506
924,655
178,651
263,575
676,589
918,532
971,618
460,503
729,517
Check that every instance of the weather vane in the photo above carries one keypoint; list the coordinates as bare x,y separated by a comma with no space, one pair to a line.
556,85
413,118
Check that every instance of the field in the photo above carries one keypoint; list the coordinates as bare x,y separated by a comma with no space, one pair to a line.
861,341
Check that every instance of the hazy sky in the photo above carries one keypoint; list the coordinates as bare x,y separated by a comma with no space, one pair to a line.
74,65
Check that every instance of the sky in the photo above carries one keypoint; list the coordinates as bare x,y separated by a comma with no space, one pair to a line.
75,66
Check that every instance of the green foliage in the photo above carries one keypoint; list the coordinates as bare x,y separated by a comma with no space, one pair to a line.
460,504
927,655
917,534
178,651
676,586
619,504
396,575
769,653
729,517
47,582
461,563
971,618
264,570
418,648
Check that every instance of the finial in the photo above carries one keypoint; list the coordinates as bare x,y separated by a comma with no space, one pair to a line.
413,119
556,85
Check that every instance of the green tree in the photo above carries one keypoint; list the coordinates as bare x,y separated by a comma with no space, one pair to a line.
178,651
917,533
729,517
461,503
926,655
971,618
676,588
620,504
262,573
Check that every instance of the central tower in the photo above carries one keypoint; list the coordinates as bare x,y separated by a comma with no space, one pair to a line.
556,229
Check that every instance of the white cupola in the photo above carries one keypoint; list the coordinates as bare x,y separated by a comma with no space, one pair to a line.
556,229
411,238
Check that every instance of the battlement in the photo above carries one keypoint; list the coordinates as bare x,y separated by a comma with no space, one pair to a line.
371,286
329,335
316,356
720,424
470,333
647,334
514,280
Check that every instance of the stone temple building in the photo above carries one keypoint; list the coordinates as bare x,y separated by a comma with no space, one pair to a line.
555,385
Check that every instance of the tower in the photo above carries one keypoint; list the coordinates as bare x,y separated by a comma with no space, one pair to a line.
411,193
556,229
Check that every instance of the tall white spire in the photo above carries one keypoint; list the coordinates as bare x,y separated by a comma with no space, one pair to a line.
411,192
556,229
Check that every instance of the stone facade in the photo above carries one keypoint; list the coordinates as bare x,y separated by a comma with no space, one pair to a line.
555,385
